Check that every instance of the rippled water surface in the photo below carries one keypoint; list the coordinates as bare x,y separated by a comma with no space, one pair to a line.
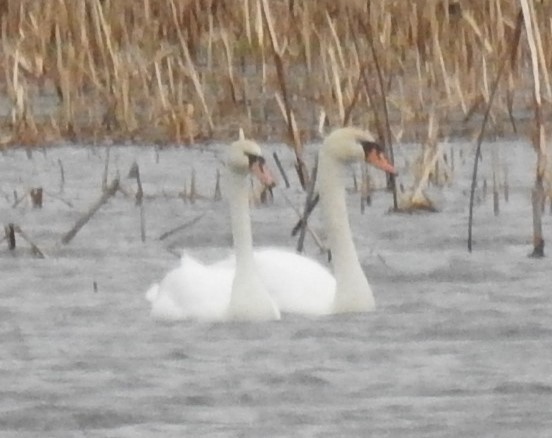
460,344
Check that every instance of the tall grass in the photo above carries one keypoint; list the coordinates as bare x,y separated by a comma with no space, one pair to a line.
185,70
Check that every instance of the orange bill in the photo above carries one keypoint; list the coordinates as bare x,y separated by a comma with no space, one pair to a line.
262,173
377,159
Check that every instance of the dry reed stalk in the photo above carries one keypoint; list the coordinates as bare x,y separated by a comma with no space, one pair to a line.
61,176
506,186
217,196
431,155
293,132
193,191
306,33
439,50
315,237
337,86
281,169
229,63
9,235
387,138
537,195
496,201
191,69
134,173
514,43
309,206
365,191
106,167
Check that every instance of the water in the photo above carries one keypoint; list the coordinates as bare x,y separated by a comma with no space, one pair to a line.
460,344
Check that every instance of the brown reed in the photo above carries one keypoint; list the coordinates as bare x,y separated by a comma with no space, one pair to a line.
182,71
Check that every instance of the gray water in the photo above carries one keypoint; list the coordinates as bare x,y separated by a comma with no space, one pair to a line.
460,344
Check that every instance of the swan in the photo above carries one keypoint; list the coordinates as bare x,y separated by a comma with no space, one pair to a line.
299,284
341,148
221,291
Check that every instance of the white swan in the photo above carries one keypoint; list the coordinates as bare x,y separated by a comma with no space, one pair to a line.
220,291
342,147
301,285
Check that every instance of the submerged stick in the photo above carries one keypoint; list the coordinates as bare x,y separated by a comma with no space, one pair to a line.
111,189
9,231
181,227
59,198
34,248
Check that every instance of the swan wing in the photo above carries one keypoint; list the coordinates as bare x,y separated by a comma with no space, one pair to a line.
297,284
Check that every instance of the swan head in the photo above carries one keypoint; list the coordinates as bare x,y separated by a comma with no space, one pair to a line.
245,157
347,145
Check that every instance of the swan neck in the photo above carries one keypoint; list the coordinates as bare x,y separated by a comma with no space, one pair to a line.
238,199
333,203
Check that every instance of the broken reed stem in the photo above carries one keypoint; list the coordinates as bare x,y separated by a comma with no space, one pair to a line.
496,201
181,227
34,248
281,169
106,167
36,197
9,233
308,202
193,193
506,183
134,173
110,190
217,195
315,237
142,223
365,198
513,49
303,219
62,176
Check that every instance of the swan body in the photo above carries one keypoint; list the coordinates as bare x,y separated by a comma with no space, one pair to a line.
296,283
217,292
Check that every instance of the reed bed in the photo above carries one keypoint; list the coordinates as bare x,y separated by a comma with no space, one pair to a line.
182,71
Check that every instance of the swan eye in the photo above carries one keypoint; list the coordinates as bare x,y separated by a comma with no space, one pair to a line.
255,159
370,146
